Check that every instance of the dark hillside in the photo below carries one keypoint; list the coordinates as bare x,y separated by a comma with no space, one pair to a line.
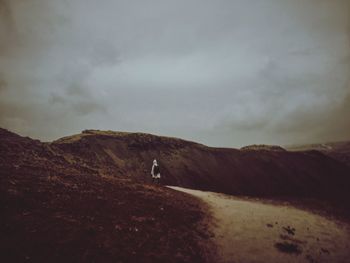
85,197
254,171
56,210
337,150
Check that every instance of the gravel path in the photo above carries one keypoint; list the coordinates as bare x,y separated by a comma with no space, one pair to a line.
248,231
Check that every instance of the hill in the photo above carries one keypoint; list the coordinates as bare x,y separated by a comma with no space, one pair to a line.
87,197
262,171
337,150
55,209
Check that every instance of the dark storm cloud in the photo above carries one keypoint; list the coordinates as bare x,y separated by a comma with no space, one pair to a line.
221,72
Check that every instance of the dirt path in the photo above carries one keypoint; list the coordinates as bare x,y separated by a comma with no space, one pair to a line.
248,231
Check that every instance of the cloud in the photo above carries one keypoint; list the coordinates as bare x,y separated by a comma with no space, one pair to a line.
225,73
77,100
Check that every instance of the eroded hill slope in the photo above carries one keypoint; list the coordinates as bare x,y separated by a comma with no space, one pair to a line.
254,172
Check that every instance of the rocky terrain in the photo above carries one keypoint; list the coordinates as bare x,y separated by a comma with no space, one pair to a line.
262,147
88,197
54,209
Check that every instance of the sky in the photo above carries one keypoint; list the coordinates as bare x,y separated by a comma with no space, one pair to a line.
223,73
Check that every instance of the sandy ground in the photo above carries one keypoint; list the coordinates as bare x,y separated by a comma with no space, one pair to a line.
250,231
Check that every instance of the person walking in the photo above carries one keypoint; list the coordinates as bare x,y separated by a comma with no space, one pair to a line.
155,172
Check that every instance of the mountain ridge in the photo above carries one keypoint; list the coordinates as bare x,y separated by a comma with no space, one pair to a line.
258,170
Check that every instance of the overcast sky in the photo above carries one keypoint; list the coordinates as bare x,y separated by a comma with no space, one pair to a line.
221,72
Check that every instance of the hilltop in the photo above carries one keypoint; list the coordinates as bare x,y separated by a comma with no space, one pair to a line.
263,147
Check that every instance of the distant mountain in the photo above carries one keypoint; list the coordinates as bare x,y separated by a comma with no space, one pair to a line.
337,150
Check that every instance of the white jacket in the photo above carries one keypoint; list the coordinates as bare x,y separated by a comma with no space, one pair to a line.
152,171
